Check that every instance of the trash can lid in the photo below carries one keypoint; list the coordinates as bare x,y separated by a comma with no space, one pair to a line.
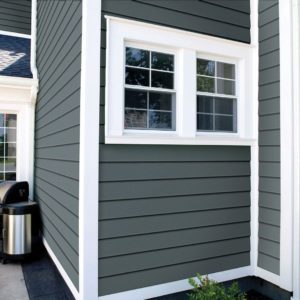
19,208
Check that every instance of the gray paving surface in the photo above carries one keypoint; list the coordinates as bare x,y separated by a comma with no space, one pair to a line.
12,283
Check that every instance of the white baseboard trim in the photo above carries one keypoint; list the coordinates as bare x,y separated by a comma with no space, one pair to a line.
61,270
175,286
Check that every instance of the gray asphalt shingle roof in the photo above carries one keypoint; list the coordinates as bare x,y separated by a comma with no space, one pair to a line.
15,56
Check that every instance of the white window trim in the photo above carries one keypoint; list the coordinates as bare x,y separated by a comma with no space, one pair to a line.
188,46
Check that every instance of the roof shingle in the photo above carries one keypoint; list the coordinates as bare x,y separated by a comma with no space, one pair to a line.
15,56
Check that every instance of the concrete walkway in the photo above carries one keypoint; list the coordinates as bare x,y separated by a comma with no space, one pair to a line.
12,283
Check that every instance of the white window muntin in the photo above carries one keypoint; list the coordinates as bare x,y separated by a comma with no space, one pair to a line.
187,45
152,48
237,80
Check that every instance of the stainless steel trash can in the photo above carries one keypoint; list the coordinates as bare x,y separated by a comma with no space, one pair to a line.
17,228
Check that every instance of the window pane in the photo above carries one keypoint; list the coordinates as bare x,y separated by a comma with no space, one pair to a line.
135,118
204,122
137,77
10,149
2,136
10,176
205,84
226,87
11,120
1,164
224,106
205,104
11,135
137,57
160,101
162,80
225,70
224,123
2,120
162,61
10,164
135,99
205,67
2,149
161,120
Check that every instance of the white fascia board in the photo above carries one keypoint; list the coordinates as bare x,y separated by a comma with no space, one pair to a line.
175,286
89,150
16,82
286,144
15,34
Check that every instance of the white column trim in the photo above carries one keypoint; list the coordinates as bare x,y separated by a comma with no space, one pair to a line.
89,150
254,148
286,144
15,97
296,136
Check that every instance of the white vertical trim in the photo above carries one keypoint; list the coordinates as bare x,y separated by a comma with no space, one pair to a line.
61,270
34,91
187,90
296,108
255,147
286,144
89,150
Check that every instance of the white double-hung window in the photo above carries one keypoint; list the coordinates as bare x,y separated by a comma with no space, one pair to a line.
166,86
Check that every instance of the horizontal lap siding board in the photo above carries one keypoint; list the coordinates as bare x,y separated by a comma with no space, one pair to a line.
168,220
269,137
216,18
57,127
168,212
15,16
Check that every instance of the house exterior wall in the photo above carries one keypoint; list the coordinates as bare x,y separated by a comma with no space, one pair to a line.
269,137
57,127
168,212
15,16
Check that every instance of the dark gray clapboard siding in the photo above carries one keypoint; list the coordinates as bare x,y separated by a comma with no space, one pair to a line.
57,127
225,19
168,212
269,137
15,16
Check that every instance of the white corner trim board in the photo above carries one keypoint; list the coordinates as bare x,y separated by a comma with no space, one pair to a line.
296,154
89,150
255,148
61,270
175,286
286,144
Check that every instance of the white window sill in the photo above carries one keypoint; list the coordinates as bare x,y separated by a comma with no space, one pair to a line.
173,139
